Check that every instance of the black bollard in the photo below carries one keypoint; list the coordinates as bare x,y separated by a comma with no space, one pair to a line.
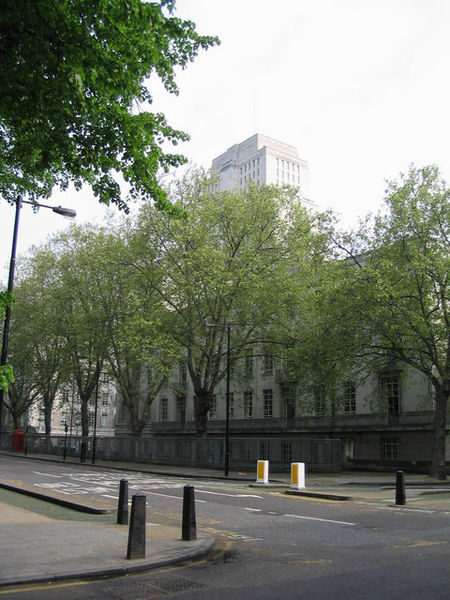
136,532
189,528
122,508
400,497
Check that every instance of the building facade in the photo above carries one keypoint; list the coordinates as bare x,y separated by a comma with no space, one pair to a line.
385,420
67,411
262,160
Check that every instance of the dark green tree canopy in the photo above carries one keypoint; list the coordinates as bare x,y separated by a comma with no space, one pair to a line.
74,96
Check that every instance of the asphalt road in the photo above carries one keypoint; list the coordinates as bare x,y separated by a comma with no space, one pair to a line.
269,545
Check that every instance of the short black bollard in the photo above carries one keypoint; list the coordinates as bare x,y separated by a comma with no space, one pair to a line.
400,497
122,508
136,532
189,528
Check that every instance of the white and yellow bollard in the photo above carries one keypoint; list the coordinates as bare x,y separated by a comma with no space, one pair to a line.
298,475
262,472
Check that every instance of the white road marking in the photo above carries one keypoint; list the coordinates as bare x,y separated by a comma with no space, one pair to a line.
167,496
252,509
107,496
317,519
47,474
229,495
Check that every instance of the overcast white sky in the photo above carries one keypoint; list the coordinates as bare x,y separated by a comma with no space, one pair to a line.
360,87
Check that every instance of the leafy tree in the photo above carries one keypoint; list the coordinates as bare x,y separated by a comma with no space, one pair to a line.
397,275
140,352
6,371
321,350
76,277
38,347
74,98
226,263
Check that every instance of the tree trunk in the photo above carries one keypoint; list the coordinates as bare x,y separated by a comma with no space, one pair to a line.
438,469
203,404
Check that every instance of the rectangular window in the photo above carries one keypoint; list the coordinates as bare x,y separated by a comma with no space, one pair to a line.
163,409
91,419
319,402
249,365
268,403
350,398
286,452
64,418
213,410
248,405
268,365
390,393
231,405
104,422
390,448
105,399
183,374
105,378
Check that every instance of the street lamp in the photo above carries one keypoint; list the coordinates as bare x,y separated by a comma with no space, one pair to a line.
94,441
65,212
227,400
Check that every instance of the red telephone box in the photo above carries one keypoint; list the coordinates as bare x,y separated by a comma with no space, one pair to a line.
18,440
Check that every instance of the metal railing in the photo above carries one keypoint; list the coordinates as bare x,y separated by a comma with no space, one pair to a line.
318,454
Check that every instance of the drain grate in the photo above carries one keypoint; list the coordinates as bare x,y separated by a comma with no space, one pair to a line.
174,586
159,587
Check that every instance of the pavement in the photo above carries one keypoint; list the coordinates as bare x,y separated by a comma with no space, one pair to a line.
35,547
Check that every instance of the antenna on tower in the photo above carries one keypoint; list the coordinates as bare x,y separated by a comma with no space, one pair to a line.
254,109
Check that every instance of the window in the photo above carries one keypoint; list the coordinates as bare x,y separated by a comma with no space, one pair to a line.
183,374
268,403
286,452
163,409
231,405
91,419
64,418
105,378
390,393
319,401
268,365
249,365
350,398
213,409
248,405
105,399
104,421
390,448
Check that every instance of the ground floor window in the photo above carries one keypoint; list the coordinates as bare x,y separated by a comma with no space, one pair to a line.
268,403
248,405
390,393
390,448
163,409
350,398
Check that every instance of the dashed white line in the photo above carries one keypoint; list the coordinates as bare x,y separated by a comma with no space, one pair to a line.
252,509
47,474
229,495
167,496
317,519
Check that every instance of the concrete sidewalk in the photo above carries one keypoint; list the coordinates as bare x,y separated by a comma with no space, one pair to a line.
35,548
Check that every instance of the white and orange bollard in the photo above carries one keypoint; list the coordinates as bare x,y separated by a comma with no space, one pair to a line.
262,472
298,475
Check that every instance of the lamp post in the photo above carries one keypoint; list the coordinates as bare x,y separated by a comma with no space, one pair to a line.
94,441
227,399
65,212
